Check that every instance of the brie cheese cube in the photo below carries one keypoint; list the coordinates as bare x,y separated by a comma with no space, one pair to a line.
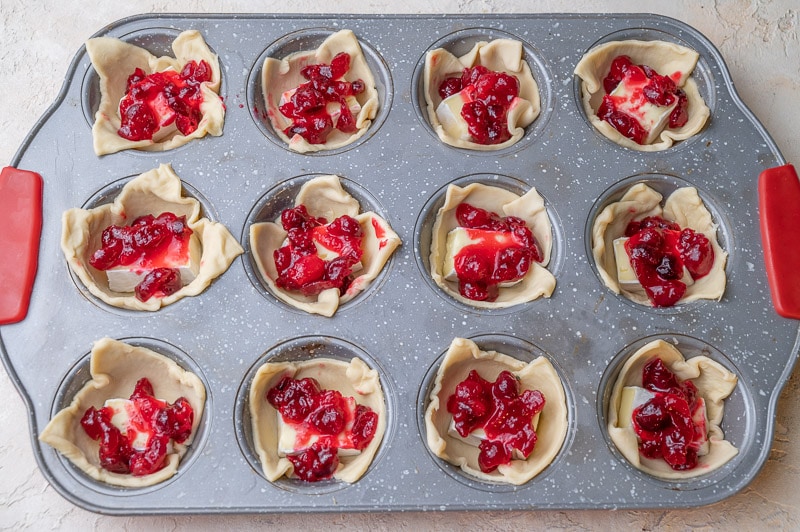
475,437
294,438
129,421
334,109
630,100
632,398
635,396
164,113
461,237
165,116
288,436
449,114
323,252
700,419
626,276
125,278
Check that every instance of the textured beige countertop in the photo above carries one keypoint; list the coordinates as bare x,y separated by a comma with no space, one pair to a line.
760,43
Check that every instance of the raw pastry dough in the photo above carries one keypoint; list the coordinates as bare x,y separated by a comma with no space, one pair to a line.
530,207
115,368
324,197
353,379
153,192
684,207
281,75
714,383
499,55
464,355
668,59
115,61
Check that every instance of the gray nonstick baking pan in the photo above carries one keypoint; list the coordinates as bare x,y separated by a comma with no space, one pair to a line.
403,323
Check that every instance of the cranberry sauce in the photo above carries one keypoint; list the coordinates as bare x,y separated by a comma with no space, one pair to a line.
667,425
503,413
659,250
161,99
487,95
298,264
659,90
160,420
482,266
324,419
147,244
308,105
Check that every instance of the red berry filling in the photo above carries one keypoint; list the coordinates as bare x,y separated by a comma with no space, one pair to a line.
503,413
659,90
308,105
161,420
298,264
659,250
162,98
324,421
147,243
490,97
481,267
666,424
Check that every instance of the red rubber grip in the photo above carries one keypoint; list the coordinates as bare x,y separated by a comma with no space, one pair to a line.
20,230
779,212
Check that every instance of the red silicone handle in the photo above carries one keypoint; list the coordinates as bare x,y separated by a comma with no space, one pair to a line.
779,211
20,229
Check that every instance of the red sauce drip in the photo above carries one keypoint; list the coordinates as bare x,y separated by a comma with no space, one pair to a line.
481,267
661,90
492,94
176,95
308,106
665,424
321,414
658,251
501,411
380,233
298,265
164,421
148,241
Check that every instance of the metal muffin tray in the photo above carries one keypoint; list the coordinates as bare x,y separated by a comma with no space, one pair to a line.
403,323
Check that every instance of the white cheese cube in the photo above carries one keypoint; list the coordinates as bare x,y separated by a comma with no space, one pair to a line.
627,277
287,441
334,109
475,437
629,99
125,278
632,398
461,237
449,114
700,419
635,396
128,420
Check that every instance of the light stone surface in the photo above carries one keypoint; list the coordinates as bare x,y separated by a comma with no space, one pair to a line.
759,41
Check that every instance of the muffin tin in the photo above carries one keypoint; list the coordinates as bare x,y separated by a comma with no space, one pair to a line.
402,324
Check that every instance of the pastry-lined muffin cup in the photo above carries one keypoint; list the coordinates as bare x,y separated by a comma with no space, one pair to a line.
738,419
282,196
701,75
664,184
79,375
106,195
426,220
524,352
306,40
308,349
460,43
158,41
